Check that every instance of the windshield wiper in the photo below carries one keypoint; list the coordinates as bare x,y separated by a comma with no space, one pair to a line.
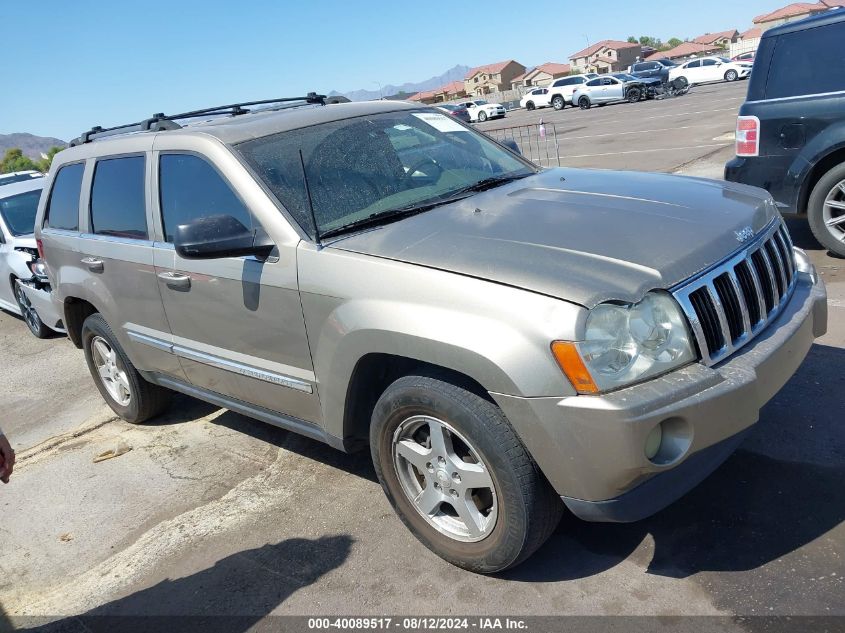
487,183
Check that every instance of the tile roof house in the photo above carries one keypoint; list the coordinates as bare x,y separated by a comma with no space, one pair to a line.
427,96
687,49
496,77
606,56
723,38
446,92
795,11
542,75
753,33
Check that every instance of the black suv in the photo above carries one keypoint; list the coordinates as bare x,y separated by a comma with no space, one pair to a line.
790,133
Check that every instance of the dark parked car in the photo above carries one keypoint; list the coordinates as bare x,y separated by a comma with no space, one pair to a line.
650,85
790,133
658,68
459,112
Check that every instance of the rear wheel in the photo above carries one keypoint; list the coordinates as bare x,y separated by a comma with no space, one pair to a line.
826,210
731,75
482,117
29,314
122,387
529,105
558,102
584,103
458,476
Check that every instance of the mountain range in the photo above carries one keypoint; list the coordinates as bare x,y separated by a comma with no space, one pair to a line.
453,74
31,145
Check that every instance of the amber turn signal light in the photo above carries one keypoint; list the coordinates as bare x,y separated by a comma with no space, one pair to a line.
572,364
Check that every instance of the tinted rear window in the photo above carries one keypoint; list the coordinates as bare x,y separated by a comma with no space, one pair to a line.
63,208
19,212
808,62
117,198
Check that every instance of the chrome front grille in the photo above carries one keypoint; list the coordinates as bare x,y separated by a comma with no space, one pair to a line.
731,303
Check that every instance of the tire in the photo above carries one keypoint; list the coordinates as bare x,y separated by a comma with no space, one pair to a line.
482,117
529,105
29,314
145,400
584,103
829,188
521,508
634,95
731,75
558,102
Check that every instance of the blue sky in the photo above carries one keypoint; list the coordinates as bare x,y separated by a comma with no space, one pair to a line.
71,65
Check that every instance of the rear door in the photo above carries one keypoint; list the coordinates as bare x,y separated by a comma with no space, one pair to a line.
612,89
116,258
237,322
711,70
692,71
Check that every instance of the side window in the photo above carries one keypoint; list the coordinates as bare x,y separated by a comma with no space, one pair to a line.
118,205
594,82
63,206
189,188
808,62
695,64
708,62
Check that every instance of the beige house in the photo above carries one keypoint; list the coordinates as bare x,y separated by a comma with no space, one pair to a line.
492,78
606,56
795,11
747,42
542,75
723,38
450,91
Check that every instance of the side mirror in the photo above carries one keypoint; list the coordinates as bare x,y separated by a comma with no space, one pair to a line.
217,236
511,144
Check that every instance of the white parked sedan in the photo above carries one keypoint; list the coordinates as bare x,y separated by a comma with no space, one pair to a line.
479,110
536,98
704,69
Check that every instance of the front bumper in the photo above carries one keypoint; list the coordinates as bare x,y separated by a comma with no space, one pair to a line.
592,448
42,300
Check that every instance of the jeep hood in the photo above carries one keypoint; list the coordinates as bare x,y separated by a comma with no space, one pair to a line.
585,236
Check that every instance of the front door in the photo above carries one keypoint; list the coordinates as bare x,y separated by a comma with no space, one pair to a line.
237,322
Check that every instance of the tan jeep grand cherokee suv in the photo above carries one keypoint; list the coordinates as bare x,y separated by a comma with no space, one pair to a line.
507,340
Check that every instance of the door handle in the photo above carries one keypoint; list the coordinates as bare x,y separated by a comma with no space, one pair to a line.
93,264
176,280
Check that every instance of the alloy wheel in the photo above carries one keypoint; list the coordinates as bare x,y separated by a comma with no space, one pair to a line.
833,212
731,75
109,369
30,316
444,478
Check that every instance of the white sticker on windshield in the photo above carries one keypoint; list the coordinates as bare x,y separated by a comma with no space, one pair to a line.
440,122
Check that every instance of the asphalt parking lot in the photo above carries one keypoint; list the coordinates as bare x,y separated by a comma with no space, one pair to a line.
212,513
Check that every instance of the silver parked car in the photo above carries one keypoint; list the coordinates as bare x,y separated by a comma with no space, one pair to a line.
608,89
506,340
23,288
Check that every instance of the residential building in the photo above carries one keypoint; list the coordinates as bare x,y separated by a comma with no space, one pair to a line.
428,97
450,91
723,38
795,11
606,56
542,75
748,41
687,49
496,77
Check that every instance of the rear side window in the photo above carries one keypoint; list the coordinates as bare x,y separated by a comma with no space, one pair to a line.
63,207
190,188
808,62
117,198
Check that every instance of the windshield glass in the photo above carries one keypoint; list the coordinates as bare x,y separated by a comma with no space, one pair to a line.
480,102
368,167
666,62
625,77
19,212
724,59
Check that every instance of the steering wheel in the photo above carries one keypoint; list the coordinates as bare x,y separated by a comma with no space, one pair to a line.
422,163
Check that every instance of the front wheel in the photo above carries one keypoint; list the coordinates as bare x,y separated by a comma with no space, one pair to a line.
826,210
558,103
584,103
29,314
529,105
458,476
731,75
634,95
121,385
482,117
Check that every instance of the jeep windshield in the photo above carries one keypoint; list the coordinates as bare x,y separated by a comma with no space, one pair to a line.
364,171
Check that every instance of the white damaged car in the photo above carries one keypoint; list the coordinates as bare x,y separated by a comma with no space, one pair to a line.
24,289
480,110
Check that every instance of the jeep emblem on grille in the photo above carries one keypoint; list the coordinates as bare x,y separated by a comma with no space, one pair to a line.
744,235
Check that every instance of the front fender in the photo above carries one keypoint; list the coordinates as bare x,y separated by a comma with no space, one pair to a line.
831,140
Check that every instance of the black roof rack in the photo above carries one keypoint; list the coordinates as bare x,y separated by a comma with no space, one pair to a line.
161,121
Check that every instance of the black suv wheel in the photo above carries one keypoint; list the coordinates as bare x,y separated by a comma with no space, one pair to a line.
826,210
458,476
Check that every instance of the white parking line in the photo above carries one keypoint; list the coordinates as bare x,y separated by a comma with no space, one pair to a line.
663,116
643,151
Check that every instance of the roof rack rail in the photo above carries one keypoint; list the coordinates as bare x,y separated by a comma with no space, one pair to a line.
160,121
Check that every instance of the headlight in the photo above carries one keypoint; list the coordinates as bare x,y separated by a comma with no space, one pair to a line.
626,344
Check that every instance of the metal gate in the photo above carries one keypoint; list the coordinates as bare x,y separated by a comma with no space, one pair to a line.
537,142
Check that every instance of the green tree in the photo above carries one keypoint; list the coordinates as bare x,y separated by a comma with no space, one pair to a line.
43,165
673,42
633,40
648,40
14,160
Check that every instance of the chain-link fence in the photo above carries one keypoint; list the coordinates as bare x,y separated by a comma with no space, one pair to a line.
537,142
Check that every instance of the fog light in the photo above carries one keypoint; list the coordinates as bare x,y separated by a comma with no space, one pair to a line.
652,442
